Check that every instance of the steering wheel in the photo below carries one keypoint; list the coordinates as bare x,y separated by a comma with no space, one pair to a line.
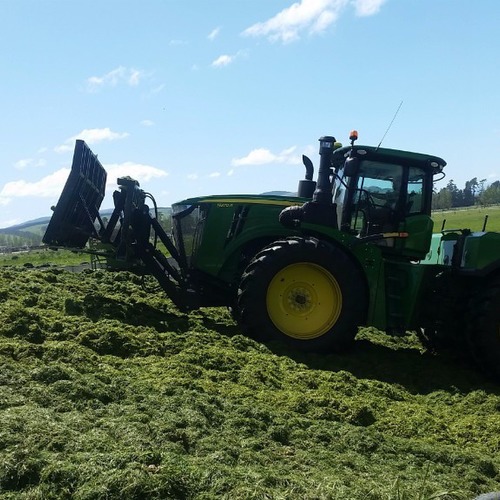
376,216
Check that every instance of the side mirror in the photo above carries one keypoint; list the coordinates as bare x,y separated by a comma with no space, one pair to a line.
351,167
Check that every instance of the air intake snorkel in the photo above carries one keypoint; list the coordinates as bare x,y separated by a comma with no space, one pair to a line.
323,193
320,210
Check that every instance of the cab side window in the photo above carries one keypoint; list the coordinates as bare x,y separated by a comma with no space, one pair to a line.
415,196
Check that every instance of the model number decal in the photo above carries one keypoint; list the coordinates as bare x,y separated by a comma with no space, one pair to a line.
224,205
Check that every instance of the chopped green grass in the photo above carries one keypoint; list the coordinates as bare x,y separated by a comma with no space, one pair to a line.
108,391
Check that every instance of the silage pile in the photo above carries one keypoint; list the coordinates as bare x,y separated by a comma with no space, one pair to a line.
107,391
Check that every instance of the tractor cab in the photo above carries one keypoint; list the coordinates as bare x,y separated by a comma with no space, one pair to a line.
385,195
378,195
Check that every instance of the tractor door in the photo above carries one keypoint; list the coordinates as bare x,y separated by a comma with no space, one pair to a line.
417,219
375,201
385,197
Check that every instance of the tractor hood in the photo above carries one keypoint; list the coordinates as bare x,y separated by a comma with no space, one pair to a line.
238,199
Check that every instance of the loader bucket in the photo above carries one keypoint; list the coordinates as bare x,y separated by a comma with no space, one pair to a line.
73,220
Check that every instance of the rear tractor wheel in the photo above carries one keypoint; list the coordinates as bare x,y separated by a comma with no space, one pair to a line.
483,328
304,291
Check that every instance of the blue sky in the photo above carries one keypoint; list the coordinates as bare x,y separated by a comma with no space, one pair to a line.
195,97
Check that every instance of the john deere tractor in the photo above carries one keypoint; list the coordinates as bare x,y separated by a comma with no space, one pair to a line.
353,248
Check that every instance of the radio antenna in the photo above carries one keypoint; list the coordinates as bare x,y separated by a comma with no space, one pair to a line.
390,124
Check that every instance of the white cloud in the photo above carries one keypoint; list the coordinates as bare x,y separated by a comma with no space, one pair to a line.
323,21
52,185
259,156
49,186
29,162
214,175
91,136
63,148
21,164
147,123
117,76
367,7
226,59
286,153
138,171
214,34
134,77
192,177
95,135
223,60
262,156
310,16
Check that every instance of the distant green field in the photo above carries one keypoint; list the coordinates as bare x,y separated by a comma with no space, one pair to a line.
63,258
471,218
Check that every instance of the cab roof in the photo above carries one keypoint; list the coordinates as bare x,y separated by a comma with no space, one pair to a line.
425,161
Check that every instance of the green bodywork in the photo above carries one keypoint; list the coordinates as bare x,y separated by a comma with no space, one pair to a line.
477,253
400,272
238,226
229,224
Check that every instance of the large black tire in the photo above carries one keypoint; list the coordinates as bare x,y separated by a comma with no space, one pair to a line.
443,315
305,291
483,327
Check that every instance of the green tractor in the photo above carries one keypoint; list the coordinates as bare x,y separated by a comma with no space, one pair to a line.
353,248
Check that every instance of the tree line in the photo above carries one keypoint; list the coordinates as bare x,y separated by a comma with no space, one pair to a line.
19,238
475,192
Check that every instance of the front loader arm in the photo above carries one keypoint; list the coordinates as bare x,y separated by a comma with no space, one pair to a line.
127,235
165,270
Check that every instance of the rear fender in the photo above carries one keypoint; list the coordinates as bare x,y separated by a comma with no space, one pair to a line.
481,254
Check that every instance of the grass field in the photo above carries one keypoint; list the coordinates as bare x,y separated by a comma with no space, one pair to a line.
108,391
44,257
471,218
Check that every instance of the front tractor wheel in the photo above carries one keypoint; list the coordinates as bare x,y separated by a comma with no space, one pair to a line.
305,291
304,300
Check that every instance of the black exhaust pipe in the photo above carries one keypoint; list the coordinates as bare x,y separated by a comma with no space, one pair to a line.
307,186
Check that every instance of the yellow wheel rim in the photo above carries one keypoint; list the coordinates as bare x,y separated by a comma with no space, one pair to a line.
304,301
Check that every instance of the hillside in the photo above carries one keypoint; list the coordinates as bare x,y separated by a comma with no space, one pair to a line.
108,391
31,232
